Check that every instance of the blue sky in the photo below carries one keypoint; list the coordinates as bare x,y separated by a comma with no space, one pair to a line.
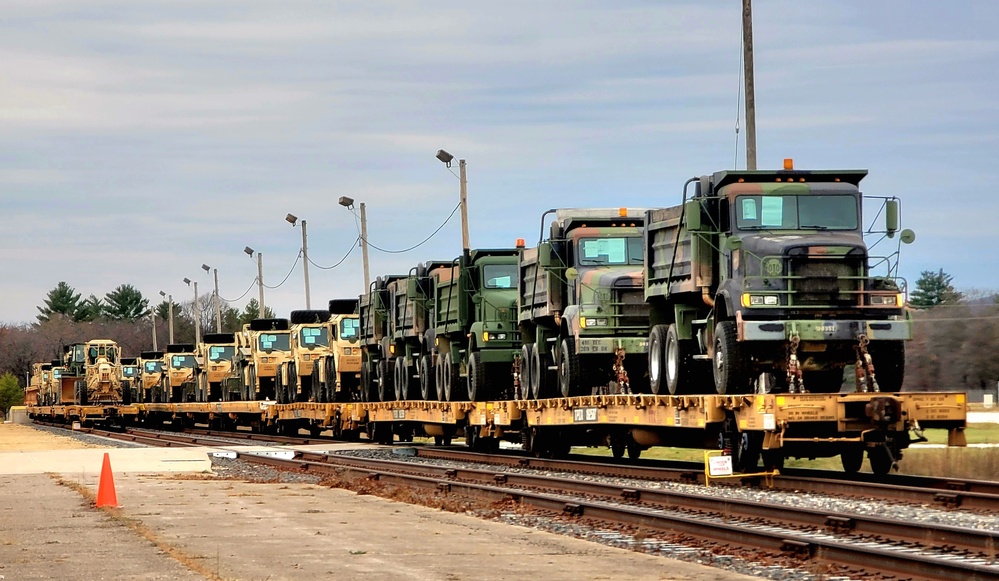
139,140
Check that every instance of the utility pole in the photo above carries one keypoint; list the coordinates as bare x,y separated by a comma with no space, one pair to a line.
218,303
153,315
364,249
170,311
305,265
260,281
747,50
197,316
464,206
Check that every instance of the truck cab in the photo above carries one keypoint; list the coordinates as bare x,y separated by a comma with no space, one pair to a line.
216,376
150,364
264,345
179,365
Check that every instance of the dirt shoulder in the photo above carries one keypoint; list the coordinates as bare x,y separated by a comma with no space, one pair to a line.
21,438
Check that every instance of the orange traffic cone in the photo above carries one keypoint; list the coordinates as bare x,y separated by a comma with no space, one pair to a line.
105,487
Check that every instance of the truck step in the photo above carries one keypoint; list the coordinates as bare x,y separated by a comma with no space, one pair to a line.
701,357
699,323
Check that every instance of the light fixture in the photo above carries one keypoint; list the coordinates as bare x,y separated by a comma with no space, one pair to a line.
162,294
291,218
206,268
346,202
187,281
444,157
248,251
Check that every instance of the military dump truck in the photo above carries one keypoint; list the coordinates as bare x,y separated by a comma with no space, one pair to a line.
150,365
763,277
474,331
92,369
263,345
177,383
215,375
129,375
374,310
582,311
337,374
309,341
404,345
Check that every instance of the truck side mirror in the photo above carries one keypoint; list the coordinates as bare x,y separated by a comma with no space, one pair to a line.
545,254
732,243
692,215
908,236
891,217
476,298
571,273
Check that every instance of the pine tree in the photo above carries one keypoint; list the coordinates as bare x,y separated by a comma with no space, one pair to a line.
62,300
251,312
91,309
933,289
125,303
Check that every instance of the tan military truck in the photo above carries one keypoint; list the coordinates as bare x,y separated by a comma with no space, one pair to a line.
309,341
129,375
150,364
263,346
338,374
91,369
216,375
177,383
40,373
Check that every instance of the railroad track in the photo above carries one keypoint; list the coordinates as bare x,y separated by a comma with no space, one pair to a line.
846,541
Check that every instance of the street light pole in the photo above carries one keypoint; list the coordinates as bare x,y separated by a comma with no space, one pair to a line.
169,299
292,219
260,279
153,316
197,312
364,249
447,158
747,48
216,301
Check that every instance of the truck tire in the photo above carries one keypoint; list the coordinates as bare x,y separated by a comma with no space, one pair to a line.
428,388
366,390
657,359
439,377
681,372
569,368
385,388
478,383
889,364
728,364
401,379
539,374
251,389
528,388
451,378
825,381
328,392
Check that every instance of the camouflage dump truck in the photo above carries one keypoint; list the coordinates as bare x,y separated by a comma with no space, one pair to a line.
129,380
92,368
582,311
177,383
150,364
338,373
474,334
215,375
763,277
374,313
263,345
310,342
409,319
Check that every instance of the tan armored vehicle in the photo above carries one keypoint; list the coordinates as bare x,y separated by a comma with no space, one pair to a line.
310,342
264,345
150,364
129,375
92,369
40,375
216,376
177,383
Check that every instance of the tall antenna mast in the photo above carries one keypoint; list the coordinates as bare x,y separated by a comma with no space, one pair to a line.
747,49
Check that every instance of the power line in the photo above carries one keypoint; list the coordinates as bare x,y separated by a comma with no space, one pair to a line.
242,295
415,246
352,246
287,276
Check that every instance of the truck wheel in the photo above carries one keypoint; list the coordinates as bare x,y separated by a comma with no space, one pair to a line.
366,381
478,385
385,390
428,388
401,379
291,392
657,353
439,377
251,389
729,367
328,392
451,378
889,364
569,368
679,365
825,381
539,374
528,389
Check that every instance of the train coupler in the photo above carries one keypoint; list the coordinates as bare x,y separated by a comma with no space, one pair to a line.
865,379
620,373
795,381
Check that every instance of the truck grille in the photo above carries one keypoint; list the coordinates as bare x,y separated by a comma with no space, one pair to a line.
632,309
824,282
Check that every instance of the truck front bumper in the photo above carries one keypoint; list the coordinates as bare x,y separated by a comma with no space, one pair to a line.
825,330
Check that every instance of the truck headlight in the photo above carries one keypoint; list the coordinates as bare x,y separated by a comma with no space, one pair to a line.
892,300
589,322
749,300
489,336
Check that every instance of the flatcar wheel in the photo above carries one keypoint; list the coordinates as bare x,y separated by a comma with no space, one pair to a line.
634,450
617,446
852,459
880,460
774,459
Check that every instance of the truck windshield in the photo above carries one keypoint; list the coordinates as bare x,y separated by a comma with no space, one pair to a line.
499,276
812,212
182,361
273,341
154,366
128,371
221,352
348,328
313,337
610,251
